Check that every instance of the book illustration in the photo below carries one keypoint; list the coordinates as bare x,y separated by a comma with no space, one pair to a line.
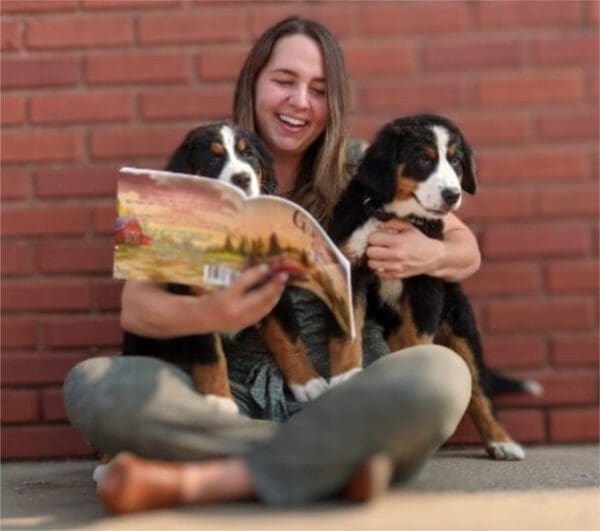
203,232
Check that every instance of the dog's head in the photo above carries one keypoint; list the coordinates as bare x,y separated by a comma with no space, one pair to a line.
418,166
226,152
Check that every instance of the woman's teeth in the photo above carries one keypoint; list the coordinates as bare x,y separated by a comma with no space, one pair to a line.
291,121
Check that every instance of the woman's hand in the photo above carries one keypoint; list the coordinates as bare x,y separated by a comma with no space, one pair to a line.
400,250
148,309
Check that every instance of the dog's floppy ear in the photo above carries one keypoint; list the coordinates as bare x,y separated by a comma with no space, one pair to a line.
179,161
469,172
268,183
377,169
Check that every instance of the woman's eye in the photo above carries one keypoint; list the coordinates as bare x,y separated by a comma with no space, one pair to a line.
283,82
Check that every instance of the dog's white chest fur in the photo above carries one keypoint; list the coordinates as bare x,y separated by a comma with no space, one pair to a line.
389,290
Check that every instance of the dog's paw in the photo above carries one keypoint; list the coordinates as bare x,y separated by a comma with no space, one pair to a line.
506,451
222,404
339,378
309,391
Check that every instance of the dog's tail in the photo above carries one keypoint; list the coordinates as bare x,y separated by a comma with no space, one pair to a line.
498,384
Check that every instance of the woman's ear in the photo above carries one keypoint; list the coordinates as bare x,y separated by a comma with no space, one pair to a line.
378,167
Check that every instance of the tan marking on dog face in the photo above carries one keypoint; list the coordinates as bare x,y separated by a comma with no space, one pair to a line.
452,149
241,145
217,148
405,185
431,152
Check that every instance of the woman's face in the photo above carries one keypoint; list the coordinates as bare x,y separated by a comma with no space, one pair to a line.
291,98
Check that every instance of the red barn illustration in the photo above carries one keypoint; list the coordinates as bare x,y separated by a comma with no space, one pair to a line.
129,231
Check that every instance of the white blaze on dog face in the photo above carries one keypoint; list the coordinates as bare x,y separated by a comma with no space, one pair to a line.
443,179
235,167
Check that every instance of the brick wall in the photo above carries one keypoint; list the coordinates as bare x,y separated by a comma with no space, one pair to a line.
90,85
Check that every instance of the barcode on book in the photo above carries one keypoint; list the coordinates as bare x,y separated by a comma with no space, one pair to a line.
219,275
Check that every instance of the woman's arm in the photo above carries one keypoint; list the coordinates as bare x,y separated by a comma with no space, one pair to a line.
147,309
402,251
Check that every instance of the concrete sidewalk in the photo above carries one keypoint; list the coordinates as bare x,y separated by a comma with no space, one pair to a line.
460,489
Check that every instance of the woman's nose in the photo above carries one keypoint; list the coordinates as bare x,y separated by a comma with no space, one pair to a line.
299,97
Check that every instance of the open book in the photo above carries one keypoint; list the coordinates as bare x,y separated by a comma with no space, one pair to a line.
193,230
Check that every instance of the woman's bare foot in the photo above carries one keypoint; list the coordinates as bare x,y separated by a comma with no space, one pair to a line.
132,484
371,480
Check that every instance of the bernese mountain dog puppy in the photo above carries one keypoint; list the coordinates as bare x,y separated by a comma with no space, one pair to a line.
416,170
226,152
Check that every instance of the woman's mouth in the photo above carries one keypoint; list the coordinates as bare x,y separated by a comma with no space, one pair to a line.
291,122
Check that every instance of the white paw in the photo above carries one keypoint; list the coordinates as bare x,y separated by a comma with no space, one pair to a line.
99,472
339,378
222,404
507,451
309,391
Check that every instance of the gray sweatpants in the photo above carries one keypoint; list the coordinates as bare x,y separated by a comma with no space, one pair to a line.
405,404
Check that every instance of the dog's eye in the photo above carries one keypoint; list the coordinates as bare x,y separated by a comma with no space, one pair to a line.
248,154
455,161
424,161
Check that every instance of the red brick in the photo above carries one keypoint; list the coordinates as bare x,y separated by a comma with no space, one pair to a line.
51,441
493,203
35,369
200,26
140,68
337,16
525,426
50,220
568,49
533,165
146,5
576,349
82,107
505,278
574,125
593,13
19,406
200,104
527,14
574,425
473,54
36,72
466,434
572,276
103,219
13,110
17,259
535,240
402,18
14,183
46,296
535,88
11,36
40,146
79,32
573,313
32,6
91,331
569,200
18,333
108,294
565,388
483,128
411,96
366,60
53,408
221,64
83,181
124,144
78,257
508,352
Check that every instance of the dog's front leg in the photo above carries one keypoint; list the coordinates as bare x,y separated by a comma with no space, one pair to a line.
280,332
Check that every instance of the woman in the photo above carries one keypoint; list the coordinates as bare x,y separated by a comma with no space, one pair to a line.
391,416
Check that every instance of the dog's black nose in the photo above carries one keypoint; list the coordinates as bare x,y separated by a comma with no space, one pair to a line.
450,196
241,180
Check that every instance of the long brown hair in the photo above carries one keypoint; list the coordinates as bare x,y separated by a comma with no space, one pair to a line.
322,173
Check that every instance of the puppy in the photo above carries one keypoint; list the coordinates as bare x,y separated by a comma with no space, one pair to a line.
225,152
416,170
230,154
